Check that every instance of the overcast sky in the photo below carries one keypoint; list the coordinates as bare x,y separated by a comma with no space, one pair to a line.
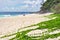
20,5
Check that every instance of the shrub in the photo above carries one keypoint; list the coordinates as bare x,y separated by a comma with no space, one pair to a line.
56,8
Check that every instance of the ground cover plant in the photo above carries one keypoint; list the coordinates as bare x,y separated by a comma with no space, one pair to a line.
51,25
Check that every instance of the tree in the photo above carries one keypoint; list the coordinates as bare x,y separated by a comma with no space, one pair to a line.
56,8
48,4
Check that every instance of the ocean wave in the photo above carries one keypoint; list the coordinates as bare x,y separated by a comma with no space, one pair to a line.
5,15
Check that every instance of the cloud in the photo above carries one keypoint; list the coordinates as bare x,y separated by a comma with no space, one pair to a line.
33,2
45,0
29,2
20,5
15,8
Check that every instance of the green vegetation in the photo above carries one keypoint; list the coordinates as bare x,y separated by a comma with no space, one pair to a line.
55,23
49,4
56,8
51,25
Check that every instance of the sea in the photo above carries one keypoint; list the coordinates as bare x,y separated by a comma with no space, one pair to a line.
7,14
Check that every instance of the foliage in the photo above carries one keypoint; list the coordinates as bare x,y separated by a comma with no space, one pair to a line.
56,8
55,23
48,4
51,25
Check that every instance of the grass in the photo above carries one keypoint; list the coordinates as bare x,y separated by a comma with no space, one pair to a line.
51,25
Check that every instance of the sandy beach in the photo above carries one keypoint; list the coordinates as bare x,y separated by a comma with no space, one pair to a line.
10,25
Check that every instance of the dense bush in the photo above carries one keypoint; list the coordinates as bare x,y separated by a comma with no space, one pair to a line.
50,3
56,8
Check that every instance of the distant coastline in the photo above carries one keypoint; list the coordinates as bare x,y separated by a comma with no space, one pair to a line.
9,14
16,13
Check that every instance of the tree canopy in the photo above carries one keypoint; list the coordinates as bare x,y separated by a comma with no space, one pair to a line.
49,4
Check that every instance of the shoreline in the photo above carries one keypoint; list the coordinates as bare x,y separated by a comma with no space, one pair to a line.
12,24
22,15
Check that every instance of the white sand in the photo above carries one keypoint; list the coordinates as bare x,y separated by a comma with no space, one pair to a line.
10,25
55,32
58,38
37,32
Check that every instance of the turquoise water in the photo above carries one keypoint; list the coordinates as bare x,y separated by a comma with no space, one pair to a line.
8,14
4,15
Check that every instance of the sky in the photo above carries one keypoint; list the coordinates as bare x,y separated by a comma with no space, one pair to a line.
20,5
